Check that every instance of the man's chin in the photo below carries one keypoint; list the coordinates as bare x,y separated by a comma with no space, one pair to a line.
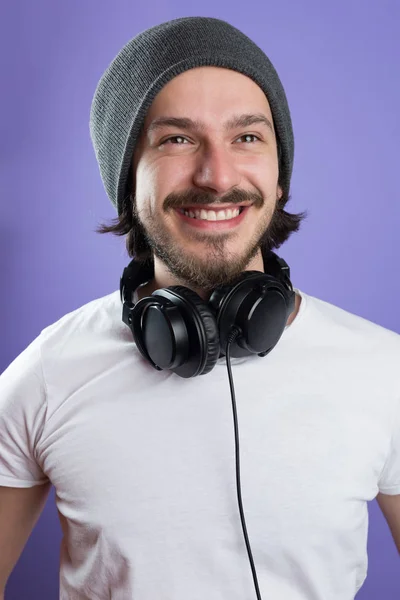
205,275
204,265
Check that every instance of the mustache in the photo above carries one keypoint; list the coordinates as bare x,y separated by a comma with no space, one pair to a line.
198,197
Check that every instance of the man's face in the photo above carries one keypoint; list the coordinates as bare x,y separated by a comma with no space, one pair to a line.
207,152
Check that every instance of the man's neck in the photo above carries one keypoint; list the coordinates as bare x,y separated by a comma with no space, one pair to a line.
165,279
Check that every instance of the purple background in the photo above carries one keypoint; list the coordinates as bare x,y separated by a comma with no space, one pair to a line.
339,63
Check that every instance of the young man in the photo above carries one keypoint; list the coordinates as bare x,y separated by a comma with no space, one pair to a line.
193,136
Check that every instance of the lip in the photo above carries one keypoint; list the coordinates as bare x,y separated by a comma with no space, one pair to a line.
217,206
213,225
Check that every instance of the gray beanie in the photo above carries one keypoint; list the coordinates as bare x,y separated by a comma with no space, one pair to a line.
143,67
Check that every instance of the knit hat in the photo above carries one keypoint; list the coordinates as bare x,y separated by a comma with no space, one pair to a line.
143,67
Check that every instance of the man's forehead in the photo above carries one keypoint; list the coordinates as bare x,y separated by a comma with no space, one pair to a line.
211,86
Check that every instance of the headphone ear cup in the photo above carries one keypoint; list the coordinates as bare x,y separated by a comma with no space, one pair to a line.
259,305
210,328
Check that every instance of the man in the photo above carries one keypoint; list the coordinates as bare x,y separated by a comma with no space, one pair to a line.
194,140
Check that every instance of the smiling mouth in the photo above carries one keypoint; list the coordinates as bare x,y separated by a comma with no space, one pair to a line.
214,214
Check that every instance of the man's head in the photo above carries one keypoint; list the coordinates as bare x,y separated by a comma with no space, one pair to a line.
208,143
204,81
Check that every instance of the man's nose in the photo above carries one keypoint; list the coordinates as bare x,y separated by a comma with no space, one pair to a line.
216,170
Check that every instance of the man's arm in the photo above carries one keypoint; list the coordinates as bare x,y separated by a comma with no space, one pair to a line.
20,509
390,506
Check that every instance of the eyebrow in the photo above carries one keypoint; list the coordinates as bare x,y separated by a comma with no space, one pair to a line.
244,120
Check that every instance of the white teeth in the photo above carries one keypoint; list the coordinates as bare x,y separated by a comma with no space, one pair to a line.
212,215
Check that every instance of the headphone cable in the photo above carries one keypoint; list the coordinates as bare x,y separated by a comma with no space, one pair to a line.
234,333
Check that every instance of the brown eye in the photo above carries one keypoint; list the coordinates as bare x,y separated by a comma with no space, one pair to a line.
180,140
248,137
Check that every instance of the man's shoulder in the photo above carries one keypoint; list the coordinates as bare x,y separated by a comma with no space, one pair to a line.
324,315
96,316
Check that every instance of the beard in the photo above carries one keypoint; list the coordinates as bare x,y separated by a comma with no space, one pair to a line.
214,266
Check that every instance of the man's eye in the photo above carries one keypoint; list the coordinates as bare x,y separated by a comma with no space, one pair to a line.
180,140
248,137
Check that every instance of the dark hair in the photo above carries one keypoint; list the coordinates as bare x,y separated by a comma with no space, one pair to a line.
283,224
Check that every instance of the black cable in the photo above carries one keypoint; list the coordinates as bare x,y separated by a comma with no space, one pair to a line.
231,338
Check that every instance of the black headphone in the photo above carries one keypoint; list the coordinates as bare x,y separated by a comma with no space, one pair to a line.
175,329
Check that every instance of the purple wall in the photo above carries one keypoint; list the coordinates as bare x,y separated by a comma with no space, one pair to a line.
339,62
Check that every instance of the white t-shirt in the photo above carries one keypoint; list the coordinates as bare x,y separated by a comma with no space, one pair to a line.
144,469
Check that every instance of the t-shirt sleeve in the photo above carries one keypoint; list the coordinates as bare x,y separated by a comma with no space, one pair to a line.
22,416
389,482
